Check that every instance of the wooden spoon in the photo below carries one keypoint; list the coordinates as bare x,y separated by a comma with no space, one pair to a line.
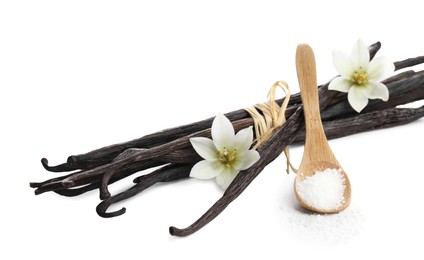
317,155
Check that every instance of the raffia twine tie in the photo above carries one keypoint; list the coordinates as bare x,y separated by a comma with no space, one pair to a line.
269,116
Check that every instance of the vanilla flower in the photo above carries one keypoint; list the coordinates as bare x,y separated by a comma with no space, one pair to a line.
225,155
359,76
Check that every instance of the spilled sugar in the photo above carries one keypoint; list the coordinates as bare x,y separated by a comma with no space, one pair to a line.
323,190
326,229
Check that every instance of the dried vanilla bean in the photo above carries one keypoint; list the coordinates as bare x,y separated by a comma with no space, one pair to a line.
268,151
409,62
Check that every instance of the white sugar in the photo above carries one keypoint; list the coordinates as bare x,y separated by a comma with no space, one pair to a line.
324,228
323,190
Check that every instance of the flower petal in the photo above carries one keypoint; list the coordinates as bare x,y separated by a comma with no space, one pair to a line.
360,56
222,132
378,90
342,64
226,177
206,169
340,84
243,139
205,147
358,97
245,160
380,68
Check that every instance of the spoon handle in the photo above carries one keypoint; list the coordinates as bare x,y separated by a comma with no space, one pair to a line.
316,141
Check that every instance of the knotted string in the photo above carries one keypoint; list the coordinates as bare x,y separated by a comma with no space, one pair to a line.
269,116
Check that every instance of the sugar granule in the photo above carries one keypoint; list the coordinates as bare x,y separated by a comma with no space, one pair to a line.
323,190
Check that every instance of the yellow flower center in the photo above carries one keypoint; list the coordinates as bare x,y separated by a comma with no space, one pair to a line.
227,156
360,77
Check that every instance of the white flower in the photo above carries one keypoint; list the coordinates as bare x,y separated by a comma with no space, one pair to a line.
359,77
226,155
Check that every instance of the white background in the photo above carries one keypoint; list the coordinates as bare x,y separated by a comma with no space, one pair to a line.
79,75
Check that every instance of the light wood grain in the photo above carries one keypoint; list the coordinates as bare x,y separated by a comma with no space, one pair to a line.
317,154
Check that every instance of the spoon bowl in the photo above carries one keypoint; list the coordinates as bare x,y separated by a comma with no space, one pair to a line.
320,166
317,155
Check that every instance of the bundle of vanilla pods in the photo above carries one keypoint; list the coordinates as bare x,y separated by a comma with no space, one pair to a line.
171,151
